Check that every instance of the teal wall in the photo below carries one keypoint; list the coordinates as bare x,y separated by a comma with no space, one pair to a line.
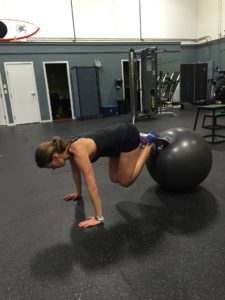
169,62
188,54
214,51
84,54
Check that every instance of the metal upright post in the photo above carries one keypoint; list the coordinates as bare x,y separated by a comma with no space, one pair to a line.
133,83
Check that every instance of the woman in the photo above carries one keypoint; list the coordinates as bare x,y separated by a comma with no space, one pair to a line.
126,148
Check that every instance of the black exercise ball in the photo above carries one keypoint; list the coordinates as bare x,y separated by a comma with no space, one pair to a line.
184,163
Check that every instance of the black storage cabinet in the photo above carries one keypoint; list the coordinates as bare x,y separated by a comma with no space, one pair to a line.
193,83
86,94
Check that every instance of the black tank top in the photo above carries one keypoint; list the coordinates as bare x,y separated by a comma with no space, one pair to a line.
113,140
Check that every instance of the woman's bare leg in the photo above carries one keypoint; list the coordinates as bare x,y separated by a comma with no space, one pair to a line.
113,166
127,167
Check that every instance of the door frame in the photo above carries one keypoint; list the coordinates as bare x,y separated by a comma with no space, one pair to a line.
44,63
2,91
9,88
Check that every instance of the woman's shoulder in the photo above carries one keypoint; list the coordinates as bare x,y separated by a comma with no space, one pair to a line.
75,144
78,146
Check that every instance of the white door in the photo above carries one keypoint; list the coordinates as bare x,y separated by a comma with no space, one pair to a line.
22,92
2,109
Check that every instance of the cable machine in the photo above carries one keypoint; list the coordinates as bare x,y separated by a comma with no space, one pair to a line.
147,88
150,100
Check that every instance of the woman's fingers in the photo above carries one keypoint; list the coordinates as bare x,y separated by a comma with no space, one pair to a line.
89,222
72,196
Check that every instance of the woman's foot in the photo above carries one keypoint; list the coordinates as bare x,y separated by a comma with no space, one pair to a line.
152,138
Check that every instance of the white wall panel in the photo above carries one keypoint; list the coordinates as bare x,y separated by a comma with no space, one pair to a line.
107,19
207,12
223,18
161,19
169,19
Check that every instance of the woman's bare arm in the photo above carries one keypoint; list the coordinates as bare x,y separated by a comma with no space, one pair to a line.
83,163
77,180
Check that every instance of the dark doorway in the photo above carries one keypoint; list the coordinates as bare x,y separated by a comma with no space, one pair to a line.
58,89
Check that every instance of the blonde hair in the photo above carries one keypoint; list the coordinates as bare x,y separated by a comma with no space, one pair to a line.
44,152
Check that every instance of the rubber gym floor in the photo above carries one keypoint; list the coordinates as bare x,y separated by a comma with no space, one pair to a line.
154,244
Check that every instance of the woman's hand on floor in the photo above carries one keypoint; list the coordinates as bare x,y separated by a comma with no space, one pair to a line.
89,222
72,196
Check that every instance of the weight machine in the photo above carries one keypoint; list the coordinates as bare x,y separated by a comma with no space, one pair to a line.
150,101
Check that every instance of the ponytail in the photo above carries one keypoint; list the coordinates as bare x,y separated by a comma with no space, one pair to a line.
59,144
